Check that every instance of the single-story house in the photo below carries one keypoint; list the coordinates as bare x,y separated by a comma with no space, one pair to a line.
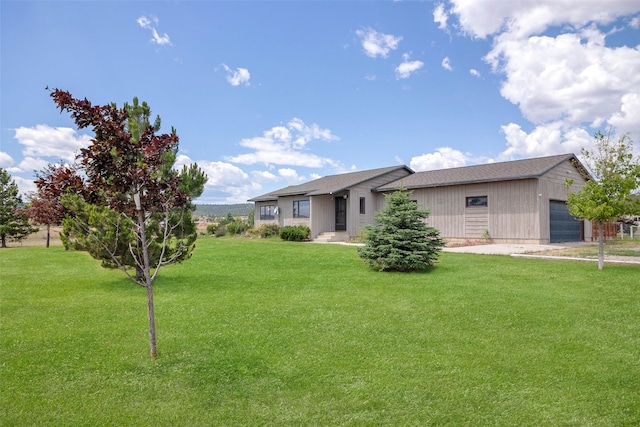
521,201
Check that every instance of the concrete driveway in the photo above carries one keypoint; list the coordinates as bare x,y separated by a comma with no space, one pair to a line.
508,248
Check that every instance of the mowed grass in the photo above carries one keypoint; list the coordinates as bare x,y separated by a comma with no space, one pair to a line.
265,332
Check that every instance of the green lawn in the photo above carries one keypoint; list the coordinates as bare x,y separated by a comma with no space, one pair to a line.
264,332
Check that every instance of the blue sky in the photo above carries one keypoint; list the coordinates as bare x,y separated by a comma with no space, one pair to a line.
264,94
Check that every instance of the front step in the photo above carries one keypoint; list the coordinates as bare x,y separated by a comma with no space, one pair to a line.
332,236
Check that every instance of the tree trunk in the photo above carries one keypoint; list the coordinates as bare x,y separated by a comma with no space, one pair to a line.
4,240
600,245
48,234
152,319
149,285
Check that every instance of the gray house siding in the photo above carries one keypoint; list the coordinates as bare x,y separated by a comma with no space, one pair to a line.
511,214
257,222
518,195
517,211
322,215
552,188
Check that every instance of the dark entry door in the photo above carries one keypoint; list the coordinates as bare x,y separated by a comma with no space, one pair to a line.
563,226
341,214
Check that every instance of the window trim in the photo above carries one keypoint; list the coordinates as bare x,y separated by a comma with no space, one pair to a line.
469,199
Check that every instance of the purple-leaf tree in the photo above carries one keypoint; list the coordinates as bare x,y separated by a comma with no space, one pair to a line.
126,179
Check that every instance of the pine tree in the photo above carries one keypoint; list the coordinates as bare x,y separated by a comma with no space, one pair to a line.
128,206
401,241
14,224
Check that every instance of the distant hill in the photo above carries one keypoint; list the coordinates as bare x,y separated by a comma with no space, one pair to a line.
221,211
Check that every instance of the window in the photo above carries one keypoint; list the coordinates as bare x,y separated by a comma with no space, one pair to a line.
301,209
362,205
267,212
477,202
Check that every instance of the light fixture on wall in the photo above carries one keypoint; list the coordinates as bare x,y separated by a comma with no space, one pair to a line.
345,196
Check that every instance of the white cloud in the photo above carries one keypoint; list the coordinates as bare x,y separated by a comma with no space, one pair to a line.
5,160
407,67
440,16
544,140
25,186
53,144
446,64
145,22
290,175
564,80
377,44
442,158
572,76
150,24
474,72
524,18
370,77
264,176
226,183
32,164
160,39
627,119
284,145
237,77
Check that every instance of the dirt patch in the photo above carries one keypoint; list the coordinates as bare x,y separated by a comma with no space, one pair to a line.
614,250
39,238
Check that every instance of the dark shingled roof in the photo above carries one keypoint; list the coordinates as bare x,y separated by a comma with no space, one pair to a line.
329,184
503,171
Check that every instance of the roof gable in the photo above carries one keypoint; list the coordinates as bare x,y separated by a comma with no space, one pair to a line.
329,184
502,171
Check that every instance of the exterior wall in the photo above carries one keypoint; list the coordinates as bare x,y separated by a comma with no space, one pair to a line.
511,214
323,209
285,205
323,213
552,187
515,207
257,222
517,211
373,201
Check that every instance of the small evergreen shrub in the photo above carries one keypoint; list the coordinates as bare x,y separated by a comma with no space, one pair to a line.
401,241
220,231
295,233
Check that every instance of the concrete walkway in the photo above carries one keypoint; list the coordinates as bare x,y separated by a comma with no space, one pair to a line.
506,248
529,251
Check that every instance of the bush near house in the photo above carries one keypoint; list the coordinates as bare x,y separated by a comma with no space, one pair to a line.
401,241
295,233
266,230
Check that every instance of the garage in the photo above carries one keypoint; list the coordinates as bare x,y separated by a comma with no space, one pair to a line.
563,226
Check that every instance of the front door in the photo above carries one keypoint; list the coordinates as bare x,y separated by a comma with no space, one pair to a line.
341,214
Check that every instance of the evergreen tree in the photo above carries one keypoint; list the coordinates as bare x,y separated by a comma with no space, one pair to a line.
401,241
128,206
14,224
